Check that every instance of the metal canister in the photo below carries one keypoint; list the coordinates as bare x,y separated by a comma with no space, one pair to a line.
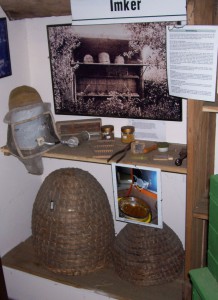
127,134
107,132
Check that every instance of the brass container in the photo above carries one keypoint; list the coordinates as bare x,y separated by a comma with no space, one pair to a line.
107,132
127,134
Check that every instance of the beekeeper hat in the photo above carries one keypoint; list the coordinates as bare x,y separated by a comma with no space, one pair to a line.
31,127
22,96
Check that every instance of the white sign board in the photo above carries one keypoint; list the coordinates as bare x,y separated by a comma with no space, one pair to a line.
85,12
149,130
192,61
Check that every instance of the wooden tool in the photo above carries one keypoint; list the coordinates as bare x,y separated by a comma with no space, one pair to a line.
162,157
139,147
149,149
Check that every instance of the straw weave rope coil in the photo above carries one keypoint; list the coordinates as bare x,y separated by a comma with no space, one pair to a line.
72,224
148,256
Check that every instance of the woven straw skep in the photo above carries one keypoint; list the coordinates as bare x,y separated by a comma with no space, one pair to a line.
148,256
76,236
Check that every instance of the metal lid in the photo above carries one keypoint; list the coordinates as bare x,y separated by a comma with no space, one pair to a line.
107,128
128,129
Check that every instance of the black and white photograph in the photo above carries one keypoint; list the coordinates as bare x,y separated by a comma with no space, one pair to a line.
115,70
137,195
5,62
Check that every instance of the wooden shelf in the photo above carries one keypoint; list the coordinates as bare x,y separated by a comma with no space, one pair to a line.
108,95
104,281
118,77
201,211
210,107
200,215
111,64
202,208
85,153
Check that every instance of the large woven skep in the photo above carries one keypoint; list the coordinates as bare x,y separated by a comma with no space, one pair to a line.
148,256
72,224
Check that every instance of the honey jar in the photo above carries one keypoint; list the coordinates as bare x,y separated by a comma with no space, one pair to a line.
127,134
107,132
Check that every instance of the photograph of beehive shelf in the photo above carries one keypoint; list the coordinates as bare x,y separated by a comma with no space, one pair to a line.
116,70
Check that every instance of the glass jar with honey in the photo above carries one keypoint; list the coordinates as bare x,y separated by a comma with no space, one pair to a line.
127,134
107,132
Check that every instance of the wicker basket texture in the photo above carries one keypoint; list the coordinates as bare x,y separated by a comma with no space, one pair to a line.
148,256
72,224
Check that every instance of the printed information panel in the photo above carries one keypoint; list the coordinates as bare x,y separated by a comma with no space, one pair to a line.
192,61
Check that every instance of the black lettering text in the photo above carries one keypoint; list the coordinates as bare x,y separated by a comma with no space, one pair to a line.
133,5
139,2
118,6
125,5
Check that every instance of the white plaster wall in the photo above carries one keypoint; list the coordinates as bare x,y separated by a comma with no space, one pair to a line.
18,188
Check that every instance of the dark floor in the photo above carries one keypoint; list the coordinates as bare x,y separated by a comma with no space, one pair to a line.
104,281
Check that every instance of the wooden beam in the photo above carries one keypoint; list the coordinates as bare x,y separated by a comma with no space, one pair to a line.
16,10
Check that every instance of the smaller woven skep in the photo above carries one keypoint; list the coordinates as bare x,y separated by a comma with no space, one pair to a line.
72,223
148,256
